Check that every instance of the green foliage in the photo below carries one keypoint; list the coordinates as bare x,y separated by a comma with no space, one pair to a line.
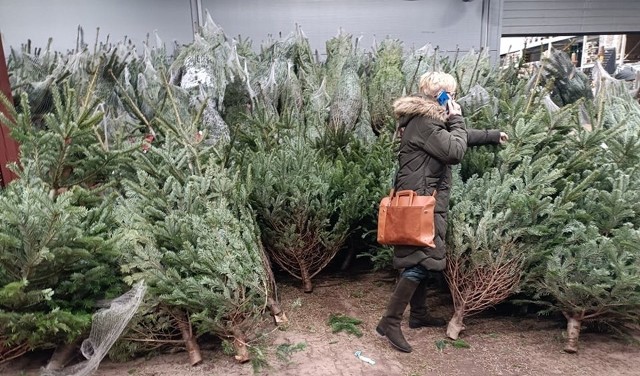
565,189
188,243
227,348
371,169
381,257
67,149
594,277
260,130
258,358
56,259
152,331
306,204
56,252
560,199
43,329
284,351
460,344
188,232
340,323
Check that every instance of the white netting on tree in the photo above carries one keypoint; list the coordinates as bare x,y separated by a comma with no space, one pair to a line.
472,69
386,85
107,325
317,110
415,65
549,104
620,103
268,82
346,103
204,67
291,98
476,98
339,50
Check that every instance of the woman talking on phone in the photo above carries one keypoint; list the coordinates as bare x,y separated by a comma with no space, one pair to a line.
433,137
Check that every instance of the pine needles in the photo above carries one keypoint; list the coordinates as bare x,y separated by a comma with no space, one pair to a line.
344,323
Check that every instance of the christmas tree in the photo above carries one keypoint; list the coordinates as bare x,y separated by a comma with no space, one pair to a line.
567,181
191,235
56,247
306,205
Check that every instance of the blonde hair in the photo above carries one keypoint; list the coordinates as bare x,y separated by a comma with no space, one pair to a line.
432,82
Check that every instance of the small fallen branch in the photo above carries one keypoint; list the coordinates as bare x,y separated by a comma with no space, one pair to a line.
340,322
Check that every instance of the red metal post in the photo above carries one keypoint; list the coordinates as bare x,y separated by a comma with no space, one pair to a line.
8,146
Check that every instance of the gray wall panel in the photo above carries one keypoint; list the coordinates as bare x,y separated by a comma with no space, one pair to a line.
546,17
40,19
448,24
515,5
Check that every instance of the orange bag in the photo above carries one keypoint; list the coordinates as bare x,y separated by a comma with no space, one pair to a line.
404,218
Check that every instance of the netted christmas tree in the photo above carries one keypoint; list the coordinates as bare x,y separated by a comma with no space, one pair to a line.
387,84
566,83
269,141
474,68
414,65
339,48
346,104
191,235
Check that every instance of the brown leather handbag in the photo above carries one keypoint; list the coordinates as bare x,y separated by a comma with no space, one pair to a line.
404,218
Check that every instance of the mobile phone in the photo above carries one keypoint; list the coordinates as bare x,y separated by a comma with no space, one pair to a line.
443,97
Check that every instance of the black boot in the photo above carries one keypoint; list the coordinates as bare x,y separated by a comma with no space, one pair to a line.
389,325
418,316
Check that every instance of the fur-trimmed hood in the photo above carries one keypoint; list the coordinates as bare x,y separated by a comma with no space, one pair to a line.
407,107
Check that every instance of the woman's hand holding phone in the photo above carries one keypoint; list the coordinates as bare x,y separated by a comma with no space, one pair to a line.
453,108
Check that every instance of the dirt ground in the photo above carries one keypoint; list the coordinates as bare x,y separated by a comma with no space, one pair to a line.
499,344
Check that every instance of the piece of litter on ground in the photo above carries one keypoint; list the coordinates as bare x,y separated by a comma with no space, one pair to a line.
364,358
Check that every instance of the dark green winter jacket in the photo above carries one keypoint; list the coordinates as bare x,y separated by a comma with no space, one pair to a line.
430,145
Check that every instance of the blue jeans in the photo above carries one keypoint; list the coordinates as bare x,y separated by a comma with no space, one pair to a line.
415,273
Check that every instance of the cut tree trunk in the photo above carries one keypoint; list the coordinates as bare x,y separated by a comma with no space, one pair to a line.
240,346
278,314
273,304
573,332
62,355
195,357
456,324
306,279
